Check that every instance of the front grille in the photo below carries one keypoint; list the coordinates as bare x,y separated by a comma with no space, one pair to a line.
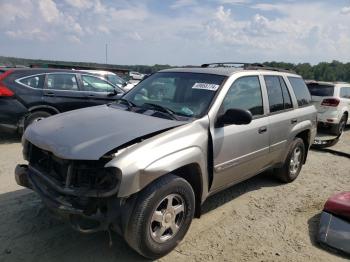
73,174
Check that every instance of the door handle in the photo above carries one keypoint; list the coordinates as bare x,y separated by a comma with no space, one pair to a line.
91,95
49,94
294,121
262,130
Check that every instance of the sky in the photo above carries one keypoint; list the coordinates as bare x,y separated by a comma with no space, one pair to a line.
176,32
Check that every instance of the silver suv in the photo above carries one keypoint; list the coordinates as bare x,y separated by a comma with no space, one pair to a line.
144,165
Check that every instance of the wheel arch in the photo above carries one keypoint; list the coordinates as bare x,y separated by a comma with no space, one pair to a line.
193,175
305,136
46,108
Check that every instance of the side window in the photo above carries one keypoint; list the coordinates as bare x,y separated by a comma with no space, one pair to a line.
345,92
300,90
33,81
274,92
245,93
95,84
62,82
286,96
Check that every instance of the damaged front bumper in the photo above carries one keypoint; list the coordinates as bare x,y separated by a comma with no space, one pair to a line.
87,211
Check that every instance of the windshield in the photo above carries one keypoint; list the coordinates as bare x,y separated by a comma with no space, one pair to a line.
185,94
116,80
320,90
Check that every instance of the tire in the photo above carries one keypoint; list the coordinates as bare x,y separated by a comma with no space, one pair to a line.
35,116
339,128
293,164
151,207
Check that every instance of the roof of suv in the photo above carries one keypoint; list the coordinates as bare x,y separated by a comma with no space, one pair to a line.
221,69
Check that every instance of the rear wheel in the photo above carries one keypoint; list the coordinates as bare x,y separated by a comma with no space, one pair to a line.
163,213
339,128
35,117
292,166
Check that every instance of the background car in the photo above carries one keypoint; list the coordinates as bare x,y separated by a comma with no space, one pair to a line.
28,95
136,75
332,101
113,78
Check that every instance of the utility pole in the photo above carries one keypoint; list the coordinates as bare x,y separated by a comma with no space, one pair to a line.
106,53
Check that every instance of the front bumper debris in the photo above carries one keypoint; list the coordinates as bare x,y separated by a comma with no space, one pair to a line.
86,214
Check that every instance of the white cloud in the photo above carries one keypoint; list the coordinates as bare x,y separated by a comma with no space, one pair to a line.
234,2
74,39
34,34
103,29
297,34
345,10
135,36
81,4
10,12
49,11
183,3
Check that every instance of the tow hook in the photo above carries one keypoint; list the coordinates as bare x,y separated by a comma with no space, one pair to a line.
21,176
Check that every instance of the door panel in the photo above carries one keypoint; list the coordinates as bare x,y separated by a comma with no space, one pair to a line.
280,130
282,116
62,92
241,151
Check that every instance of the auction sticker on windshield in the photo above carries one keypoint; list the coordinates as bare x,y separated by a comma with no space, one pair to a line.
205,86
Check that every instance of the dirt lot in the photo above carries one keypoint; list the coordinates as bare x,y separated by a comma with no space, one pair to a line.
258,220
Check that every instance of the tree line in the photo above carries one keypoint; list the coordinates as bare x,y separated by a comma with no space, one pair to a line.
324,71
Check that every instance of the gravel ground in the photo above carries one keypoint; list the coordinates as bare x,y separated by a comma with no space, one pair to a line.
257,220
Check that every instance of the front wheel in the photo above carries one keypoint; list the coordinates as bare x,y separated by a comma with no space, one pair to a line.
292,166
35,117
163,213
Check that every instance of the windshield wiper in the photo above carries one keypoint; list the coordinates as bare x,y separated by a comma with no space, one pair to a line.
162,109
127,102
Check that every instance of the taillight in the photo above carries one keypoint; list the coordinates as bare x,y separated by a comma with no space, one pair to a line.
330,102
4,90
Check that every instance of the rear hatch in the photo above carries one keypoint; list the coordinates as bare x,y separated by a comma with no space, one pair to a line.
319,92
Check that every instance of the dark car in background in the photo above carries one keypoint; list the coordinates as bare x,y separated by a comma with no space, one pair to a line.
28,95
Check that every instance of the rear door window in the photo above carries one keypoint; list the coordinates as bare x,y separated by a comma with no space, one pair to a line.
320,90
274,92
300,90
287,100
345,92
33,81
62,82
279,98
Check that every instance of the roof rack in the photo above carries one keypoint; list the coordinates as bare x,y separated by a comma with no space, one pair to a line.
225,64
247,66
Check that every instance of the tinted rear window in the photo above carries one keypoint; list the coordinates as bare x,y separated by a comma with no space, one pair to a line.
300,90
33,81
321,90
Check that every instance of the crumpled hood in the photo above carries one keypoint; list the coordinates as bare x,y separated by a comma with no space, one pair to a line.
89,133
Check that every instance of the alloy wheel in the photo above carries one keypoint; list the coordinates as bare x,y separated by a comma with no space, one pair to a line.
167,218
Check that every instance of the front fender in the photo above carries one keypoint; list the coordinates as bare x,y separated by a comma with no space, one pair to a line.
133,183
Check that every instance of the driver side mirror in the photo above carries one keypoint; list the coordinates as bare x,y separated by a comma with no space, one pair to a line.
234,116
114,92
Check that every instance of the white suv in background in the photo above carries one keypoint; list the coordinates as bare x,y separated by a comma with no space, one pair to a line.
332,101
